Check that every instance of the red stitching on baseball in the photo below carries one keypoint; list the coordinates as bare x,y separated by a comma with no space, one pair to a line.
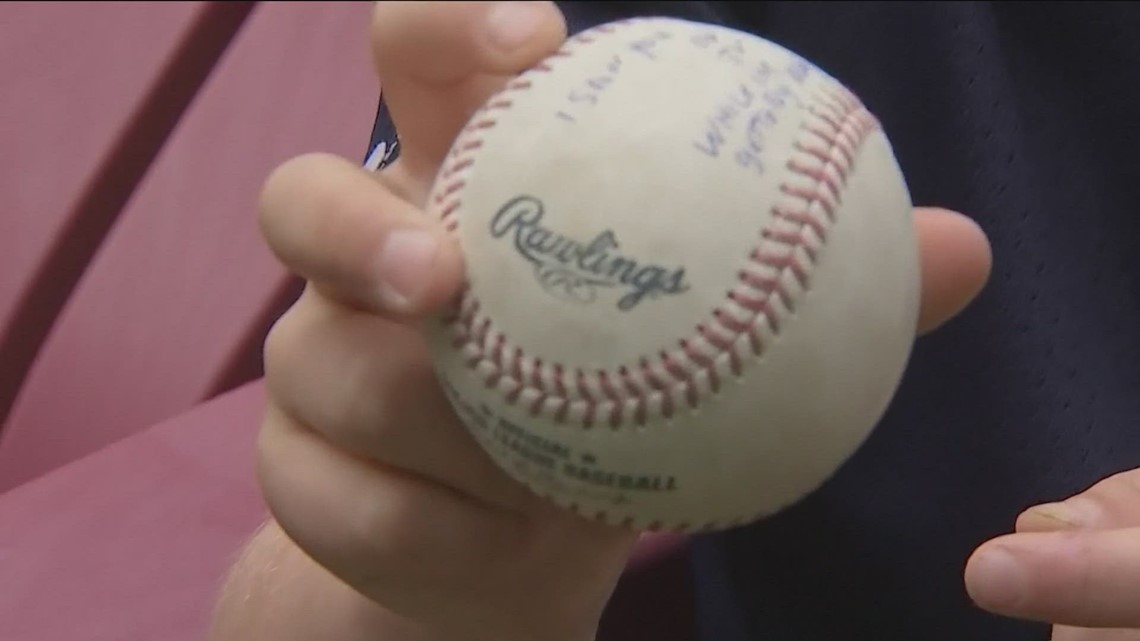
838,135
765,295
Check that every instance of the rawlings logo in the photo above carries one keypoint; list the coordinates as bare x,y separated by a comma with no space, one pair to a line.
574,270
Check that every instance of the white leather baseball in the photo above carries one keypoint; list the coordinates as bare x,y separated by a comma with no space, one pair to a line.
693,280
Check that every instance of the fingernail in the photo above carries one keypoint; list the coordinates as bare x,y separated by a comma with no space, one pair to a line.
998,580
1077,512
510,24
405,266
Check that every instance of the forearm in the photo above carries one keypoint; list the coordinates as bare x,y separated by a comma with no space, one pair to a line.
275,592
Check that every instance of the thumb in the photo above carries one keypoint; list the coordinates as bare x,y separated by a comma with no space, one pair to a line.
438,61
1085,578
1074,562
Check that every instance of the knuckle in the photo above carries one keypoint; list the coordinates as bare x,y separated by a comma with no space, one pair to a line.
373,411
267,468
279,345
306,348
365,420
282,182
282,223
292,348
383,533
378,516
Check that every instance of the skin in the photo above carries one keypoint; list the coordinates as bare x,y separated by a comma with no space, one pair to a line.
388,522
1075,563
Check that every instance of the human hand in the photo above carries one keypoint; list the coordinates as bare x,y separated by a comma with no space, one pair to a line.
1075,564
361,460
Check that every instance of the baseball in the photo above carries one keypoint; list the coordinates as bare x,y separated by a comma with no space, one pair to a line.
692,276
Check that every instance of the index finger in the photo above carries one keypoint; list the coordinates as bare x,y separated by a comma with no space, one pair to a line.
332,224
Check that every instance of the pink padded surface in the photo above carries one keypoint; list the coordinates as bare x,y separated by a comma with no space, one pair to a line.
132,543
89,92
172,297
73,75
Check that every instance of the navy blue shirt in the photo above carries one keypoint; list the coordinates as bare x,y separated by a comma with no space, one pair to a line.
1026,117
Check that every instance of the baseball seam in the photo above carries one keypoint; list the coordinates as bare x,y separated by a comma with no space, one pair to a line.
774,275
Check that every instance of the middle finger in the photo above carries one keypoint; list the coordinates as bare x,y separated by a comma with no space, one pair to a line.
367,385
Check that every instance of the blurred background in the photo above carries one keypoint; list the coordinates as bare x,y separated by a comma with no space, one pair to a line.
135,290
